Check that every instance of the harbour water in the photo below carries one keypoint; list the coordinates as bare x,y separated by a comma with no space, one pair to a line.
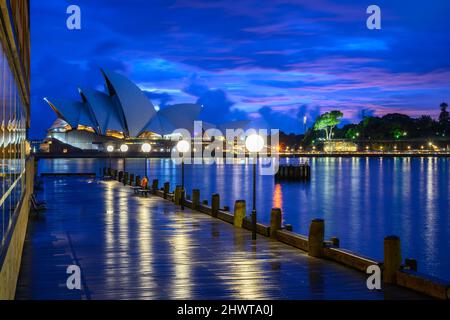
361,199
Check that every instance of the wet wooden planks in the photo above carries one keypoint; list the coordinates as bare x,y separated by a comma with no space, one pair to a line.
129,247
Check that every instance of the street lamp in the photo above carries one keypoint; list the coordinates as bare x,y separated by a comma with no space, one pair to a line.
123,149
146,148
183,146
254,144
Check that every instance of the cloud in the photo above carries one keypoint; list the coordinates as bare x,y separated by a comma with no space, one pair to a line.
282,56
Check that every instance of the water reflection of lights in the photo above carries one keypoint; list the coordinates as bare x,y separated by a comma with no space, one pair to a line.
245,273
110,253
430,202
181,256
145,245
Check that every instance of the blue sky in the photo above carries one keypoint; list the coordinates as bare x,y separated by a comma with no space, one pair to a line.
272,61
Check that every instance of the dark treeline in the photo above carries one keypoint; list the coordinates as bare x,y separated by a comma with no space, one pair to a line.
392,126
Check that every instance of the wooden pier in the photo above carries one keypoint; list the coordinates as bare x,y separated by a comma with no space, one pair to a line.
301,172
133,247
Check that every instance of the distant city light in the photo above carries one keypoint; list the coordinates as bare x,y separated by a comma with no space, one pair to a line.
124,148
110,148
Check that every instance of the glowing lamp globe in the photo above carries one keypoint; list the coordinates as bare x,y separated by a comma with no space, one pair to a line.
254,143
110,148
146,147
124,148
183,146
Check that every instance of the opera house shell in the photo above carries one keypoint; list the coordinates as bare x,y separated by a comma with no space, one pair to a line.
123,111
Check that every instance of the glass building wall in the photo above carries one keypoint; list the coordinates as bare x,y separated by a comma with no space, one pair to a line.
12,147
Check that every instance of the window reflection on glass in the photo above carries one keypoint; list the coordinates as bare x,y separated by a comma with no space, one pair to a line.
12,146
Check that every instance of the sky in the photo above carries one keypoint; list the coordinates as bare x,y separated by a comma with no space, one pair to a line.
274,62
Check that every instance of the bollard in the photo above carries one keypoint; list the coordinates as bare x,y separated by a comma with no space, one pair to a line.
125,178
392,259
226,208
131,179
275,222
315,238
182,197
120,177
239,213
288,227
177,195
215,204
154,185
138,181
411,264
205,202
166,189
195,199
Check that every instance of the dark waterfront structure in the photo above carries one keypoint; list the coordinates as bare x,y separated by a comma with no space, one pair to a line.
16,171
132,247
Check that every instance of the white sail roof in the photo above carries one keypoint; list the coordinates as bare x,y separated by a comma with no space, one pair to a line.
123,108
136,107
106,114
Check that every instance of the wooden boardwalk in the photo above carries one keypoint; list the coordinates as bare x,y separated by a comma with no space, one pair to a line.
129,247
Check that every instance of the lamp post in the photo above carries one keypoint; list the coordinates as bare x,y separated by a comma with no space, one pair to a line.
183,146
146,148
123,149
254,144
109,149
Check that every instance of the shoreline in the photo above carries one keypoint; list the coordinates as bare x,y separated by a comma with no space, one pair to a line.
296,155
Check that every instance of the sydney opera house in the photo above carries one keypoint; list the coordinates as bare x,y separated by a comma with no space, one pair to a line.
122,112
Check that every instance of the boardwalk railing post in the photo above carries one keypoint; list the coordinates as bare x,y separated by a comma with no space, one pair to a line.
392,258
177,195
120,177
195,199
131,179
239,213
215,205
125,178
166,189
316,237
154,185
275,222
182,197
138,181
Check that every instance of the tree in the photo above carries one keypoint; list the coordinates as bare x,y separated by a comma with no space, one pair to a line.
327,122
352,133
444,118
